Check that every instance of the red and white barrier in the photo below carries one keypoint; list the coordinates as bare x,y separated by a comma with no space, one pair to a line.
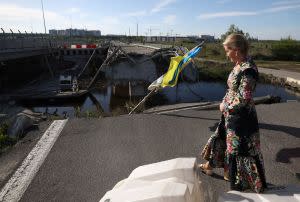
83,46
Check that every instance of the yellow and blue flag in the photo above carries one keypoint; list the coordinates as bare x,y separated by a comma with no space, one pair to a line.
176,66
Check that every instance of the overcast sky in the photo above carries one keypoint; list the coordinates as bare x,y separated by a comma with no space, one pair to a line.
264,19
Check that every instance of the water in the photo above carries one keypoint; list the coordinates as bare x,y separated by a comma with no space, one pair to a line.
183,93
212,91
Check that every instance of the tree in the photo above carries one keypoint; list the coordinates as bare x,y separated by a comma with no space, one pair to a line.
234,29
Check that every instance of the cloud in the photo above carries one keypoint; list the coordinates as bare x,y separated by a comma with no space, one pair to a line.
73,10
170,19
137,13
280,8
225,14
287,2
110,25
15,17
113,20
285,5
14,12
161,5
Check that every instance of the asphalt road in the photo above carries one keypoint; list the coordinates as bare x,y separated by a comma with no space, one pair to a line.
92,155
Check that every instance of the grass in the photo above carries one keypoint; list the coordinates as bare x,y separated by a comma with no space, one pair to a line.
5,141
219,71
213,70
259,51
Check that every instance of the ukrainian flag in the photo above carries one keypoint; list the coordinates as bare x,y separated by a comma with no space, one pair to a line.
176,66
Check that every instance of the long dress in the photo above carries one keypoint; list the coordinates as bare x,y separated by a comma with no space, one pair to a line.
235,145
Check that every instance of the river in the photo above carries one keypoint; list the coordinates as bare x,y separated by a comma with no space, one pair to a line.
183,93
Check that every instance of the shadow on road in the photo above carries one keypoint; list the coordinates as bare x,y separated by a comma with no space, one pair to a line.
190,117
286,129
284,155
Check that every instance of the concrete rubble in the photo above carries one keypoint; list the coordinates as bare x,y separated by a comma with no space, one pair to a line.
22,122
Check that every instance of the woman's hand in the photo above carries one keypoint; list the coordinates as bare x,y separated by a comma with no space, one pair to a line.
222,107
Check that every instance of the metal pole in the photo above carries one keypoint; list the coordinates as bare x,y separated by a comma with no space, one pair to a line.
3,34
144,100
44,16
88,62
129,89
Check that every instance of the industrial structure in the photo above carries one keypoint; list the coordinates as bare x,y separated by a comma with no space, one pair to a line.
74,32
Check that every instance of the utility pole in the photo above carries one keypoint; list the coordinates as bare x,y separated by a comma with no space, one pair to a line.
44,16
137,29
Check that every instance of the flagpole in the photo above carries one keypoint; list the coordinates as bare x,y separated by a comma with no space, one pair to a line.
179,64
143,100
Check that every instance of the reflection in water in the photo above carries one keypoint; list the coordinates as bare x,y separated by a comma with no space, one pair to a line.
56,110
268,89
211,91
194,92
184,92
104,98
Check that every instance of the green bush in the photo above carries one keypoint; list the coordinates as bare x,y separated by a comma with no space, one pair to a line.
4,139
213,71
286,49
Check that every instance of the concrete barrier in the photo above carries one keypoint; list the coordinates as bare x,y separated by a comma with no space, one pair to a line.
293,81
165,181
174,181
290,193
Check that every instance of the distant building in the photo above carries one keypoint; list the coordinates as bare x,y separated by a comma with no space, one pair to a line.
94,32
74,32
191,38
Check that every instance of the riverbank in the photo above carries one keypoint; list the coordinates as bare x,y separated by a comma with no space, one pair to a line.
292,66
284,74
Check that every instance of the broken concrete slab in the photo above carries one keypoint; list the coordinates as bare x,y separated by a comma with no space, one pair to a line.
23,122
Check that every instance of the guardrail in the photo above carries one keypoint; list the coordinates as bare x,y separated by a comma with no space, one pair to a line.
24,41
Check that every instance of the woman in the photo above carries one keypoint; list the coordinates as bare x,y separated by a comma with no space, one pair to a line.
235,145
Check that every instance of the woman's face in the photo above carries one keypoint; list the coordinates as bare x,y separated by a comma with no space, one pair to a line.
231,53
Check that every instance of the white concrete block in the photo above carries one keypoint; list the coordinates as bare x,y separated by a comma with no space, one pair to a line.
289,193
297,196
131,184
157,192
233,196
174,180
171,180
181,168
292,80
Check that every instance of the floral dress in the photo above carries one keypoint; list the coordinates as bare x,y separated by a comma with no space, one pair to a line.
235,145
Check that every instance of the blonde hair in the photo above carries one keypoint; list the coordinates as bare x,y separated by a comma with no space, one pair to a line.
237,41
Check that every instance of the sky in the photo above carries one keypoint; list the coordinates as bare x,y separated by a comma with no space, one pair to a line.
264,19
